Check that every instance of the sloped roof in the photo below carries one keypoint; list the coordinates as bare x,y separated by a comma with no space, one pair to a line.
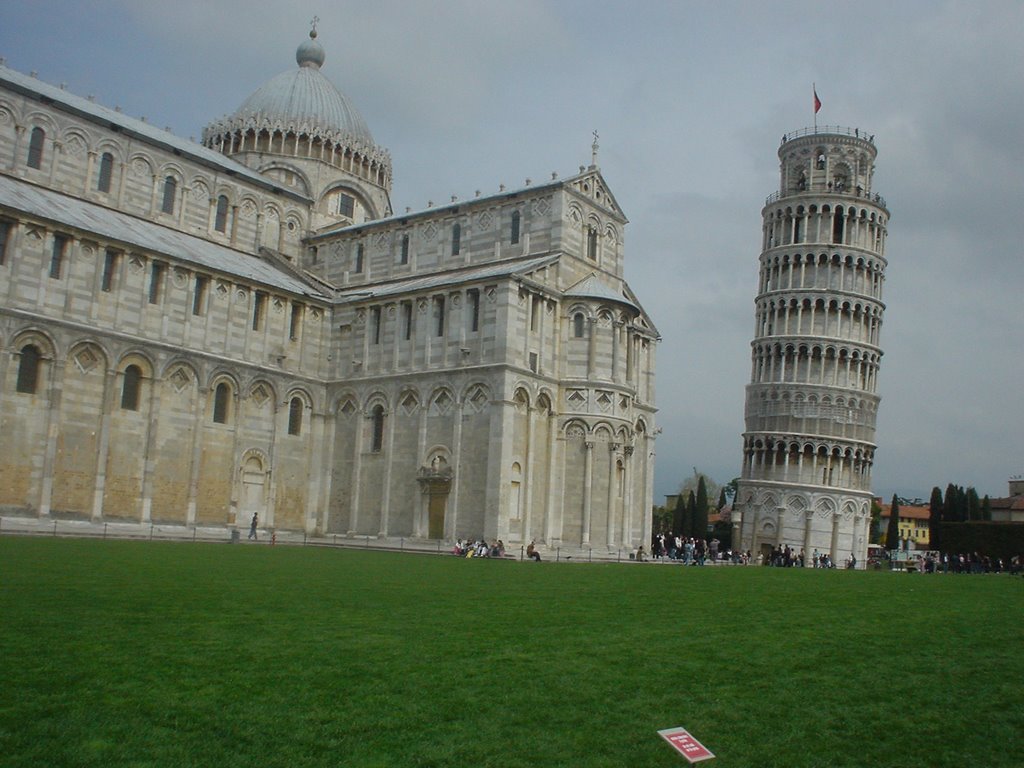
40,91
592,287
103,222
476,202
446,279
907,512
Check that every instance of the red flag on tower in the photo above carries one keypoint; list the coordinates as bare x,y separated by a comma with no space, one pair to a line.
817,101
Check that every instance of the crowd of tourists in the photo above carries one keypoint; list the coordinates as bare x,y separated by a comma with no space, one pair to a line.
692,550
668,547
787,557
973,562
697,551
478,548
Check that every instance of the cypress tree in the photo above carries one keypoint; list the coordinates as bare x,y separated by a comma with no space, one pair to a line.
700,512
892,533
679,518
934,518
973,505
691,510
721,499
986,509
961,505
949,507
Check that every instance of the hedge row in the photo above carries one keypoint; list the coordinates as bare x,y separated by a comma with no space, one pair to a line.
993,539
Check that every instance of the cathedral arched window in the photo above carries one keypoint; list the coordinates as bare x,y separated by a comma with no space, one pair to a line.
57,254
5,236
439,315
170,192
295,416
376,321
456,239
514,235
28,369
35,147
346,205
221,401
591,243
106,172
377,438
473,298
578,325
221,219
130,388
199,295
404,255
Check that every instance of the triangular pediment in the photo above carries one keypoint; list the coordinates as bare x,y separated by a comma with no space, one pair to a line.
591,185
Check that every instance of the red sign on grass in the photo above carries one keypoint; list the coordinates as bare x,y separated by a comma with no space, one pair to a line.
686,745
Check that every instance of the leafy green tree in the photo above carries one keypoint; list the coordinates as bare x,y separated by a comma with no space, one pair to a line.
934,518
875,532
662,519
691,483
892,533
722,532
731,488
700,510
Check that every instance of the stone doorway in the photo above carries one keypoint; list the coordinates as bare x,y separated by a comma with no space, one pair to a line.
436,506
435,481
254,490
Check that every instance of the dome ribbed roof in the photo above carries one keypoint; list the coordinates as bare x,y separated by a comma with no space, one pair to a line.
304,100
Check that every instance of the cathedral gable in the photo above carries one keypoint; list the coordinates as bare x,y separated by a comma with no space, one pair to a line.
593,187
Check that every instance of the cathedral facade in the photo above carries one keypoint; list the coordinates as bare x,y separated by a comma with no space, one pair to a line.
195,333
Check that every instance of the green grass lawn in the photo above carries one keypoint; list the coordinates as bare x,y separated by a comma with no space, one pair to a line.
120,653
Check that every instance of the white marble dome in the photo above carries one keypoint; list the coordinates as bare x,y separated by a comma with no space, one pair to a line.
305,101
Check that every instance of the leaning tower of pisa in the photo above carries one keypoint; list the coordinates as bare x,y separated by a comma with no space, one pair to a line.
812,400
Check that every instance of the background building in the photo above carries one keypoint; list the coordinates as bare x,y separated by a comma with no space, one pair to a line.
913,526
196,333
812,400
1010,509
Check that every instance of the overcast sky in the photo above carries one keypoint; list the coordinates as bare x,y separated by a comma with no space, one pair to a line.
690,100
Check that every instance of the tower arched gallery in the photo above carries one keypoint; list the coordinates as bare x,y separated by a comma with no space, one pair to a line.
812,401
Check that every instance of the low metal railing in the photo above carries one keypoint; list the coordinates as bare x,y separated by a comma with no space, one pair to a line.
857,133
871,197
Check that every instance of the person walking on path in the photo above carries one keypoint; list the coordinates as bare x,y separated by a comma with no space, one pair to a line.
252,525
